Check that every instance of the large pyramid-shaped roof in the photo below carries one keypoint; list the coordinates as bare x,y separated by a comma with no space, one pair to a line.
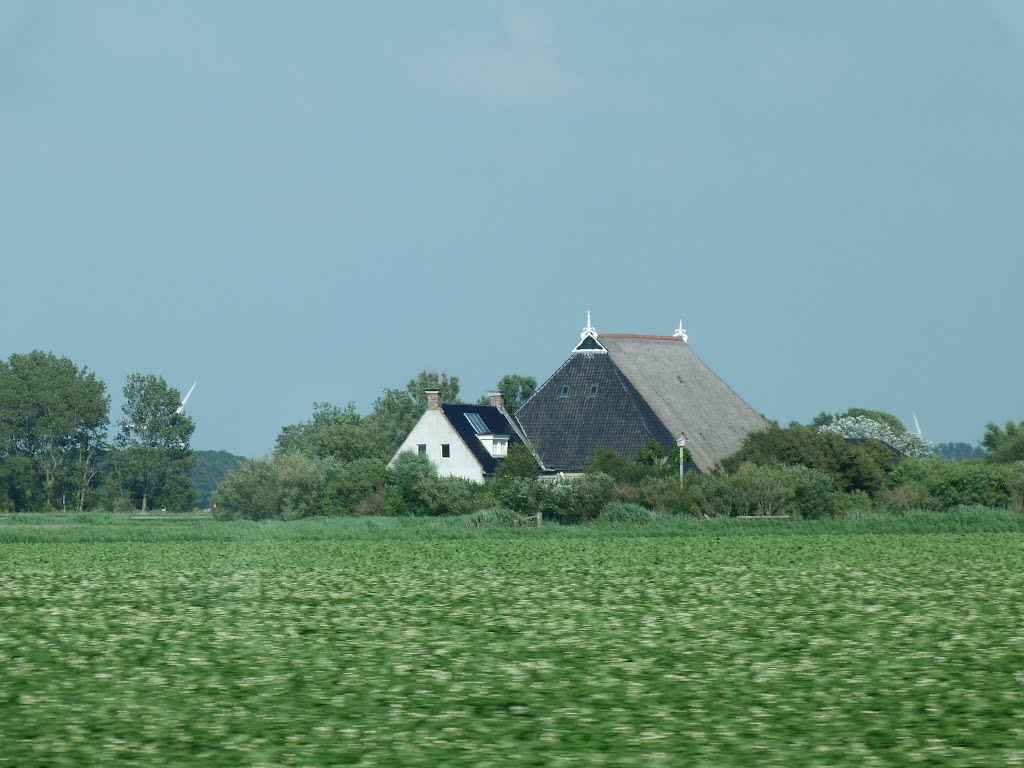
629,390
685,395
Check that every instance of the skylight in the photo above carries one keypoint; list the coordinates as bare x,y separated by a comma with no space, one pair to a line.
477,423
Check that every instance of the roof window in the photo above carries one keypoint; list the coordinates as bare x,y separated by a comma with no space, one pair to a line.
593,390
477,423
565,391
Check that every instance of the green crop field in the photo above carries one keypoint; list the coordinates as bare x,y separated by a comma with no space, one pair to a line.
876,641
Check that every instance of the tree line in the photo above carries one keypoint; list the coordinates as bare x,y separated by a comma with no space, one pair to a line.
58,449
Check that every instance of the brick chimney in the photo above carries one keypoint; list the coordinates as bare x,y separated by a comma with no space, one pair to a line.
498,400
433,399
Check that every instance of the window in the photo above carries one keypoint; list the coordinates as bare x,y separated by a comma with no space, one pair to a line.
593,390
421,449
477,423
565,391
446,451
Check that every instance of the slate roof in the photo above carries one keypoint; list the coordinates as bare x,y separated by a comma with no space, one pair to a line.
496,423
649,387
566,430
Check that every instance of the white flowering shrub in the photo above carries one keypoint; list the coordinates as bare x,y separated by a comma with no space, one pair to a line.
863,428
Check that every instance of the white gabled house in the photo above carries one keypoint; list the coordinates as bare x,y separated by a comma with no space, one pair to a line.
462,440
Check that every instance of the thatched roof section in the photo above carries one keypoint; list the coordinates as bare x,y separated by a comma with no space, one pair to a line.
685,395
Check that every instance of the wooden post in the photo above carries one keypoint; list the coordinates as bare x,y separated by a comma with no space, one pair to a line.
540,518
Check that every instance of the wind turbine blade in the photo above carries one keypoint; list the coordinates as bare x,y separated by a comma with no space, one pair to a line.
917,425
181,408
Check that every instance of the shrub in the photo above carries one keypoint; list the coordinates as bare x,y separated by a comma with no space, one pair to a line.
627,514
563,499
766,492
860,467
966,483
665,493
358,480
286,486
448,496
404,480
608,462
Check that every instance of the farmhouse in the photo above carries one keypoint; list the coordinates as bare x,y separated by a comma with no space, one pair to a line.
462,440
620,391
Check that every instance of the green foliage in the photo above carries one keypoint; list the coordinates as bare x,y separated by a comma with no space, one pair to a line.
515,390
211,467
564,499
852,467
1004,445
331,431
285,486
153,459
405,478
766,491
616,466
664,494
358,481
519,462
652,454
933,483
53,422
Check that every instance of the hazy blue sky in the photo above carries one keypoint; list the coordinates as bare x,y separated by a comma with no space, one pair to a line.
303,201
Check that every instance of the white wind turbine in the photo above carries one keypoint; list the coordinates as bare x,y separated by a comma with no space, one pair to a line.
181,408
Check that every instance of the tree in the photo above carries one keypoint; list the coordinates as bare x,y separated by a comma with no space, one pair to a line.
1004,445
825,419
209,471
866,428
153,458
519,462
860,467
53,415
515,390
959,451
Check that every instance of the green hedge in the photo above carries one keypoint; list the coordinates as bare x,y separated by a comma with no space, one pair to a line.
937,484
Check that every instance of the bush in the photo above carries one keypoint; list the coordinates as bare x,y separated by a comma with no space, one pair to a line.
358,480
286,486
626,514
766,492
449,496
667,493
608,462
949,484
562,499
852,467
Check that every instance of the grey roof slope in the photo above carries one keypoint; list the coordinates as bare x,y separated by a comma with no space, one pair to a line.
493,419
566,430
685,395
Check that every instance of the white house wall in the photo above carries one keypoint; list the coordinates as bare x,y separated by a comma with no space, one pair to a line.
432,430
